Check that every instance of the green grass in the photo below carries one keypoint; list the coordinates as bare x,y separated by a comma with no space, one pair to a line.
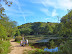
37,51
4,47
18,41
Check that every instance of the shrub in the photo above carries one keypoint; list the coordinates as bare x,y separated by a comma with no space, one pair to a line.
1,50
4,47
18,38
32,46
3,32
1,41
66,48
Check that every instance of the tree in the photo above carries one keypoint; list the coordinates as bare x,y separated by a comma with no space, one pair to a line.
67,23
17,33
3,32
4,20
26,31
9,3
35,27
64,28
48,29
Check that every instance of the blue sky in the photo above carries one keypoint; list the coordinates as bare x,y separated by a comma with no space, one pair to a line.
25,11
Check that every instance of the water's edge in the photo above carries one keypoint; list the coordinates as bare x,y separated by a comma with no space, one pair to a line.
51,50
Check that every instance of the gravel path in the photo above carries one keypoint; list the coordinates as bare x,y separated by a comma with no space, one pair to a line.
17,49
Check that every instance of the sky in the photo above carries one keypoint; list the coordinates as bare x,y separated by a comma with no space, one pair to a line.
26,11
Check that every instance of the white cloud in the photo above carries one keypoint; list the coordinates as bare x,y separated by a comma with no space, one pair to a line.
47,18
65,4
16,10
35,1
19,7
61,4
46,11
54,13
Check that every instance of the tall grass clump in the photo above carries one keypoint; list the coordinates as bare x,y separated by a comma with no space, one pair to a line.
4,47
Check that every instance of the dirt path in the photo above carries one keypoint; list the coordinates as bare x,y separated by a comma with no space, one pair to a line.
17,49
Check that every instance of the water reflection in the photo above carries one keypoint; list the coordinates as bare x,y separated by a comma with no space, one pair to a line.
51,50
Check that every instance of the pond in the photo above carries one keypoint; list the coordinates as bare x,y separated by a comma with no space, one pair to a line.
43,40
51,50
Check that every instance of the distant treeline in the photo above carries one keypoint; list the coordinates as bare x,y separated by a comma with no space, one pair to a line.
64,28
36,28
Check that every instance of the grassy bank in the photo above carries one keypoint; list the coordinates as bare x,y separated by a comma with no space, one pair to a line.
65,48
4,47
64,44
36,51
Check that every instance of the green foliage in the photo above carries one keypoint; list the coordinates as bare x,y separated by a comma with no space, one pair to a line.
38,51
65,48
48,29
26,31
4,47
32,47
52,44
18,38
6,26
64,28
14,31
37,28
3,33
1,41
17,33
1,50
6,29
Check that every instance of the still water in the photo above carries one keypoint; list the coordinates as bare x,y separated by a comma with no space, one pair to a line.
51,50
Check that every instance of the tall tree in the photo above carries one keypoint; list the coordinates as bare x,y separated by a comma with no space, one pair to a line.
36,27
48,29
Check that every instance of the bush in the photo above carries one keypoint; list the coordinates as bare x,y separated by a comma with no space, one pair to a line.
3,32
18,38
4,47
1,50
8,38
1,41
66,48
